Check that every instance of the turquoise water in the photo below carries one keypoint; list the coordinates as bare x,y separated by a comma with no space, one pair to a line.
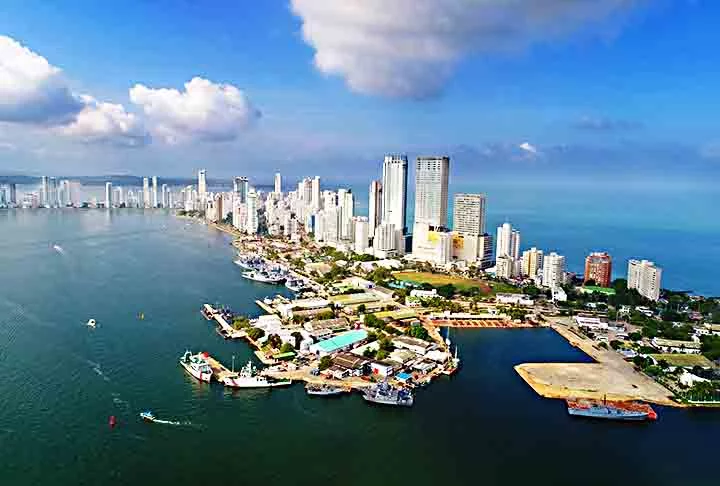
61,382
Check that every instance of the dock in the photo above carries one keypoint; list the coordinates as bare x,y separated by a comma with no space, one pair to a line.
220,371
265,307
227,329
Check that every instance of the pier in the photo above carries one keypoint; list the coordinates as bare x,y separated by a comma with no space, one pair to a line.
227,329
265,307
220,371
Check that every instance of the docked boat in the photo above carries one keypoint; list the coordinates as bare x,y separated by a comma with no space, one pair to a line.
248,262
385,394
264,277
250,377
324,390
197,366
295,285
147,416
612,410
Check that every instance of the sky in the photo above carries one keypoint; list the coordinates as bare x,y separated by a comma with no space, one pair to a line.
246,87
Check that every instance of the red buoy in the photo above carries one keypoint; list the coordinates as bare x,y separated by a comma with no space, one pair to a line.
112,421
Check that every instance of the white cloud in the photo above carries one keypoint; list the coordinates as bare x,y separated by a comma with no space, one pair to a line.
106,123
203,111
529,148
31,89
409,48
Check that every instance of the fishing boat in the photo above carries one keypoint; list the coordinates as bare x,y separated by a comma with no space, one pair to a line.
250,377
91,323
385,394
324,390
147,416
197,366
264,277
610,409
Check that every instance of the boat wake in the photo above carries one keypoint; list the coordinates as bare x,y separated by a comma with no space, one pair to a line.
59,249
172,422
98,371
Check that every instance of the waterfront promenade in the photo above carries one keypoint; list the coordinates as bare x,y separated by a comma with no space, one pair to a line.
609,377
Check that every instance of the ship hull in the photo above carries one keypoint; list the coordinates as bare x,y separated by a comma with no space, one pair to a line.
610,410
604,415
389,402
230,383
204,377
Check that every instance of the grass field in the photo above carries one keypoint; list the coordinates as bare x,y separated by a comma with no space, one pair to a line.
437,279
684,360
401,314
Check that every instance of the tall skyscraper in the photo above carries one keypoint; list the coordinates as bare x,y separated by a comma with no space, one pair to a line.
44,191
53,193
108,195
252,222
316,200
202,187
375,206
165,196
154,192
12,196
508,242
362,234
431,191
598,268
278,183
469,214
553,275
146,192
394,198
646,277
240,188
532,262
346,202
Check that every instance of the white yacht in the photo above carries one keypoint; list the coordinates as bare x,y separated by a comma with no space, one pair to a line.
91,323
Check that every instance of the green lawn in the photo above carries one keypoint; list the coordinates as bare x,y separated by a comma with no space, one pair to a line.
684,360
437,279
397,315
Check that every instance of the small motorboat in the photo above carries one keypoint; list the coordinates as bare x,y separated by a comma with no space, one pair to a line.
91,323
112,421
147,416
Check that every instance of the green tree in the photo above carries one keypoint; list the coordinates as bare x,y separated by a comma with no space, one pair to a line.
417,331
361,309
298,339
447,291
325,362
287,348
240,322
369,353
381,354
255,333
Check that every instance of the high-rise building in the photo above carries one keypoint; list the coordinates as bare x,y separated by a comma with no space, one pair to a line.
278,183
202,187
646,277
385,238
469,214
362,234
504,266
154,192
346,203
431,191
108,195
240,188
44,191
394,196
165,196
53,193
252,222
553,274
12,196
598,268
146,192
316,201
508,242
532,262
375,206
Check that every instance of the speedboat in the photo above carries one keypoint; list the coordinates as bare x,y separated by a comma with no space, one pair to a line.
197,365
91,323
147,416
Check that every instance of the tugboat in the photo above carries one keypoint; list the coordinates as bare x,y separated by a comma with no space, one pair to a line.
612,410
197,366
249,377
385,394
324,390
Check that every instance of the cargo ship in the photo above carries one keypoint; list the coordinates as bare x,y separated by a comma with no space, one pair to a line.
612,410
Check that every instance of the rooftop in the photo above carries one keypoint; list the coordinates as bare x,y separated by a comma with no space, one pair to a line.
341,340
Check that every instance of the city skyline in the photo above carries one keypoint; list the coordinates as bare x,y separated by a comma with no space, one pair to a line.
263,100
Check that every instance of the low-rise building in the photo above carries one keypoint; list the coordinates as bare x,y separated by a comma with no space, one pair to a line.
338,343
591,323
382,368
417,346
675,346
514,299
324,327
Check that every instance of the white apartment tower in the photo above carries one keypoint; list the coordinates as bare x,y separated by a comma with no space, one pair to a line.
146,192
240,188
375,206
108,195
155,191
646,277
553,274
394,195
362,234
508,242
316,201
202,187
431,191
278,183
44,191
252,213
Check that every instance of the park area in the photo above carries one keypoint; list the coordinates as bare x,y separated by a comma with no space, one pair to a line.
460,283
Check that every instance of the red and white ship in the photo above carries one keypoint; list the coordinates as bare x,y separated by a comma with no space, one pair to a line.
197,365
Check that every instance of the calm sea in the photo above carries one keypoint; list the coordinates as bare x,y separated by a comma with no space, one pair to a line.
61,382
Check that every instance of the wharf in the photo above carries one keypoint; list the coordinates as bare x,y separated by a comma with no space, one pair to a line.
226,328
480,323
610,376
307,377
265,307
220,371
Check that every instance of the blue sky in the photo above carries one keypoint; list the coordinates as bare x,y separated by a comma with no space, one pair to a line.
500,86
